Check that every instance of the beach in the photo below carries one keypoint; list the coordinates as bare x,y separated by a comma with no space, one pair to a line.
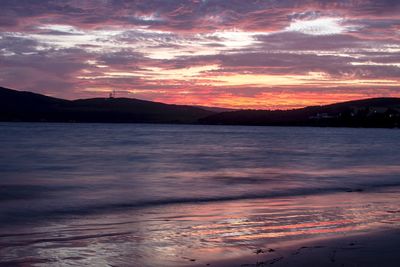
372,249
136,195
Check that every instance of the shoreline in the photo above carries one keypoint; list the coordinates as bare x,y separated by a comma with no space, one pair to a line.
368,249
202,124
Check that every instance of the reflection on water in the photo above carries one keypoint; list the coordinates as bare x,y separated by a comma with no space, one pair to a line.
174,234
165,195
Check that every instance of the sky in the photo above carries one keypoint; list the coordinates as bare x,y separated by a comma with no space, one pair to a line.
261,54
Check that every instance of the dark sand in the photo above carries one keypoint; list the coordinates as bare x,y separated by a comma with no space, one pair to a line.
359,250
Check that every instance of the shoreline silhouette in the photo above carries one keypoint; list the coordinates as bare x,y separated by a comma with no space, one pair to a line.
17,106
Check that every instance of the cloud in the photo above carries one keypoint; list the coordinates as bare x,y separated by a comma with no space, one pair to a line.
320,26
200,52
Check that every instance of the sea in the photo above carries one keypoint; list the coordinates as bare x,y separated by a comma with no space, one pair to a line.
178,195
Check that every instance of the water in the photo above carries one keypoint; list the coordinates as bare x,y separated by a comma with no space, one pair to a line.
166,195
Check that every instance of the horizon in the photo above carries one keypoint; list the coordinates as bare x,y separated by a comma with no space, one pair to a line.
230,54
202,106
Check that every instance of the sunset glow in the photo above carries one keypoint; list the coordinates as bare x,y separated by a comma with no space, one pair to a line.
241,54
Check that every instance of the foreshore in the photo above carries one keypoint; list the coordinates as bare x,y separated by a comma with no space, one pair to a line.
373,249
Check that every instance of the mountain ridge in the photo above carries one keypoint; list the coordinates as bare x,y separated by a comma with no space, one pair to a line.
27,106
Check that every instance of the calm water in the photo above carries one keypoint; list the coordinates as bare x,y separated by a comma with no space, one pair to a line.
165,195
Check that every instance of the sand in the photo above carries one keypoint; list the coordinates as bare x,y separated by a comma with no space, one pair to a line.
359,250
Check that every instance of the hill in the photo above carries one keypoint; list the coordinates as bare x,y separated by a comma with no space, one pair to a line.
27,106
373,112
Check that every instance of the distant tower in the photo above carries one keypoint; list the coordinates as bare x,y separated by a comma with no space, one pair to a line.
112,94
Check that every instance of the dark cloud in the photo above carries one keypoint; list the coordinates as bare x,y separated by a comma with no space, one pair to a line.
182,15
29,65
17,44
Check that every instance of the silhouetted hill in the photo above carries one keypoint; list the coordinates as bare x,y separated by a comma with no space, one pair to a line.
26,106
374,112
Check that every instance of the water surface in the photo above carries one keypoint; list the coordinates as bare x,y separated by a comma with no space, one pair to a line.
166,195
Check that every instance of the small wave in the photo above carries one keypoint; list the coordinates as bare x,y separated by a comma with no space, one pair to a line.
12,192
248,196
14,216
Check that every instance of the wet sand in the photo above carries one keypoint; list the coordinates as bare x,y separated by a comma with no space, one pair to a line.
376,249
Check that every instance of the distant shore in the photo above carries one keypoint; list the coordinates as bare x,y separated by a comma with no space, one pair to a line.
200,124
375,249
21,106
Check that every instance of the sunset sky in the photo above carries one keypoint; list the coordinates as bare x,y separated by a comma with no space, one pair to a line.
243,54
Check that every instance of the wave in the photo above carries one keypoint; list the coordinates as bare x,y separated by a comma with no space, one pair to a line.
16,216
249,196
